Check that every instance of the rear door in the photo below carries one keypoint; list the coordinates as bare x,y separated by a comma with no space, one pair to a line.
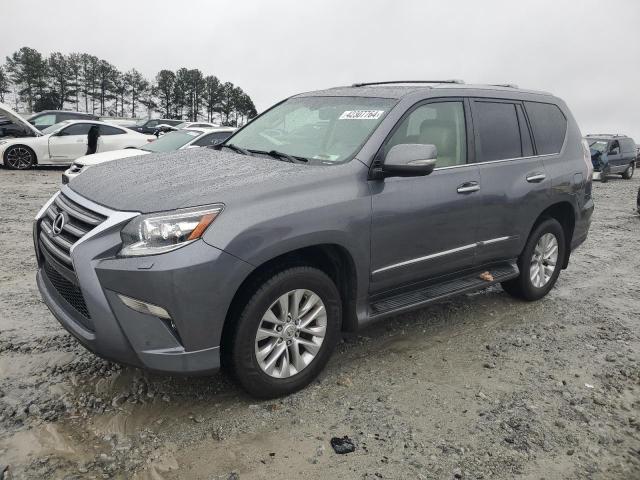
514,183
70,142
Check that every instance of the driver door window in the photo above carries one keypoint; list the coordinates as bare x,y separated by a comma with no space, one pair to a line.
441,124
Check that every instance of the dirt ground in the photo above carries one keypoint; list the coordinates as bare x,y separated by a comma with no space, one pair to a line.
481,386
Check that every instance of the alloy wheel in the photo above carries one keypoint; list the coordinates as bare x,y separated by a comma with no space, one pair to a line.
19,158
544,260
291,333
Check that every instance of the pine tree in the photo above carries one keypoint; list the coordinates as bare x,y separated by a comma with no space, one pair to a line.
212,95
137,87
74,63
60,78
165,82
4,84
28,70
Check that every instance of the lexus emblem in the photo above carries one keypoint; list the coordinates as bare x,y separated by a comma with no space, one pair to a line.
58,223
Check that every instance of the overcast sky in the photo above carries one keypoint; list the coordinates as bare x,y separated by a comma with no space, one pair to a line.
586,52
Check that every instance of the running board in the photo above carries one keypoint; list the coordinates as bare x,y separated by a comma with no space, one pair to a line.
423,295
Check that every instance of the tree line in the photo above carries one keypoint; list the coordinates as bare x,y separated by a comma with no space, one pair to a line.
84,82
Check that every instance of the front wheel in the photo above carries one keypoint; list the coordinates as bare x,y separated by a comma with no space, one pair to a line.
19,157
628,173
286,333
540,262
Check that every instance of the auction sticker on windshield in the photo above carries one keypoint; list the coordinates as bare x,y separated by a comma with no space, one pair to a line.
361,115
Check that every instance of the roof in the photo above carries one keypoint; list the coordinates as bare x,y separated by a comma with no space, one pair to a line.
401,89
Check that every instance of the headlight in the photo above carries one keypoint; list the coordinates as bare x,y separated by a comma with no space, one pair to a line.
162,232
2,142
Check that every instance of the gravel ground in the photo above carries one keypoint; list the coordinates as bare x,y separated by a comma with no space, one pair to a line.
481,386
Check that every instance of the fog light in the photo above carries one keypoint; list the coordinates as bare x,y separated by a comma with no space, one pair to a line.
144,307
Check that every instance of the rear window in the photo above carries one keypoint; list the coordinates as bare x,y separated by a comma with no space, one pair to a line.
549,126
498,131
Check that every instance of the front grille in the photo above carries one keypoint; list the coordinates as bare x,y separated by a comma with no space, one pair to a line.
70,292
78,221
55,258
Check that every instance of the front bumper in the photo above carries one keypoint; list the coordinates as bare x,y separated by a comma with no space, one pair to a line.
195,284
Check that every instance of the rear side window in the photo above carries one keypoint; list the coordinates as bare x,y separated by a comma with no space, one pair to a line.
108,130
76,129
628,145
549,126
498,131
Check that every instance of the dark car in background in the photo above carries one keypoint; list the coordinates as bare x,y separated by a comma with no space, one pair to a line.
612,154
150,126
46,118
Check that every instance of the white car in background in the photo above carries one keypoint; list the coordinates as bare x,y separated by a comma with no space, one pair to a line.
170,142
62,143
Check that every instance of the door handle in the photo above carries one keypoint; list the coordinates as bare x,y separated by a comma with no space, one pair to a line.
536,177
469,187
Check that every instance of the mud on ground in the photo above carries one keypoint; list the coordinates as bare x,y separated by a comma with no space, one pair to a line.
481,386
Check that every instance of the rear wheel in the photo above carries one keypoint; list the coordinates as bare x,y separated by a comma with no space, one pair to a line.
540,262
19,157
628,173
286,333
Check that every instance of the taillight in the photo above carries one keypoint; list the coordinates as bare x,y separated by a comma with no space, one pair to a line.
587,159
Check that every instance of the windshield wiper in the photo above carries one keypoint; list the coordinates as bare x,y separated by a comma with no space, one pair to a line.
282,156
236,148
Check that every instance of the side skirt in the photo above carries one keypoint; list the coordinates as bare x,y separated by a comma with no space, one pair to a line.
418,295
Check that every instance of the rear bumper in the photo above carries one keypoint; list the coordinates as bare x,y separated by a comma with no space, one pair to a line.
195,284
583,222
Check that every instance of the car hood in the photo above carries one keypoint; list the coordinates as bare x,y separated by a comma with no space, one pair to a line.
15,117
98,158
194,177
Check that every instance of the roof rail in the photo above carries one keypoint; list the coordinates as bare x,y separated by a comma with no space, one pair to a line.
506,85
406,81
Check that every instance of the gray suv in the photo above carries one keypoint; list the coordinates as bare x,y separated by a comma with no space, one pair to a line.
329,211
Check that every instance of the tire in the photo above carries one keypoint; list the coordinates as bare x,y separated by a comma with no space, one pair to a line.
628,173
19,157
523,286
268,376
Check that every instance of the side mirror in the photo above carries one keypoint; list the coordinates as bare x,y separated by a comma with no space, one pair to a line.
410,160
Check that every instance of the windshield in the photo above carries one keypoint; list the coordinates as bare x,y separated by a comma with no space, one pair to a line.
171,141
325,129
141,122
182,125
599,146
54,128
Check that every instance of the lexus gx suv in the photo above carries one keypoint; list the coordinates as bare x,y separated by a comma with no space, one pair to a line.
331,210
